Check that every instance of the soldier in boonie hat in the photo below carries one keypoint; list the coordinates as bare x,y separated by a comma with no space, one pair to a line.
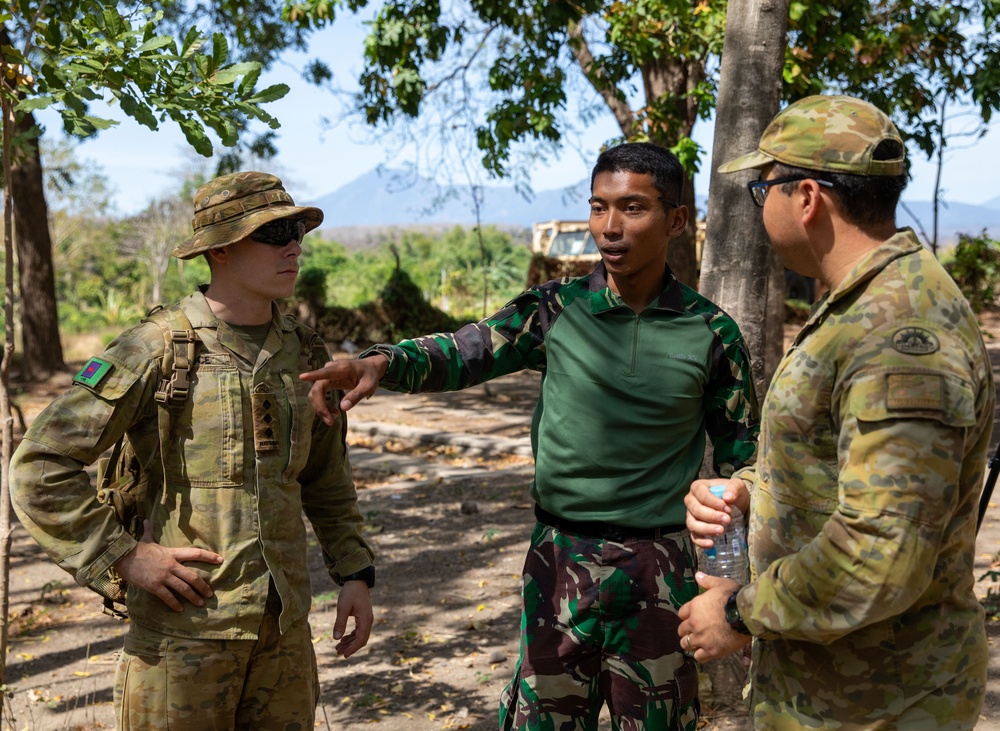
833,133
231,207
200,534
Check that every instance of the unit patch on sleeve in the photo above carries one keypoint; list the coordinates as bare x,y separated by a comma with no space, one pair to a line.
93,373
915,341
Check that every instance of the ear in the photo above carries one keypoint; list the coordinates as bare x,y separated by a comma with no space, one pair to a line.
679,223
220,255
811,200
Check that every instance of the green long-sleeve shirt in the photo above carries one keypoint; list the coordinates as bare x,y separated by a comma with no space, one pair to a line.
626,399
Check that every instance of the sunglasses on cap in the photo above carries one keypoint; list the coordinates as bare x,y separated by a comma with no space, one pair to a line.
281,232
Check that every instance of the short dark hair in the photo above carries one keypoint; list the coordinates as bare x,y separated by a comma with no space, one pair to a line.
645,158
867,201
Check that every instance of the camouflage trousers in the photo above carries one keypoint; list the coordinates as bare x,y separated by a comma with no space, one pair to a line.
268,684
599,625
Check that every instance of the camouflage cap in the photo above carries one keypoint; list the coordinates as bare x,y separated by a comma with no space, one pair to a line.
831,133
231,207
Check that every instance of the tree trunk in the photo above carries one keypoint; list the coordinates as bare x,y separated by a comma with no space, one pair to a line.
41,348
6,421
737,267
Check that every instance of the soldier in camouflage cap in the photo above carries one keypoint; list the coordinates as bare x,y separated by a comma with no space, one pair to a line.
863,502
637,370
218,585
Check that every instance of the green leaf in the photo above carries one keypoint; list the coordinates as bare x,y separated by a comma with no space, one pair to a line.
196,137
32,104
270,94
230,74
249,81
220,50
154,44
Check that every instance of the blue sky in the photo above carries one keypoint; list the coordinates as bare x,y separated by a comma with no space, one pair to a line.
315,161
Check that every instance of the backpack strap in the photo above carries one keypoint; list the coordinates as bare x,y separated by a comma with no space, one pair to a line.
180,344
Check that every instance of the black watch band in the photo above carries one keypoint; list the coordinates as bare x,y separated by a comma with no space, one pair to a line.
733,618
366,575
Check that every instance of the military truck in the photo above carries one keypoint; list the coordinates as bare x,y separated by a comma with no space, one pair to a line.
566,249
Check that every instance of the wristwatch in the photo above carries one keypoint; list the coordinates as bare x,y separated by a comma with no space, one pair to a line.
366,575
733,618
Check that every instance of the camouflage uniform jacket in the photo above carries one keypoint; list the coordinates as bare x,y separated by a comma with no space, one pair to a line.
222,493
863,510
626,399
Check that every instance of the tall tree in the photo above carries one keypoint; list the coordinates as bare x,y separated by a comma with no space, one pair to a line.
749,97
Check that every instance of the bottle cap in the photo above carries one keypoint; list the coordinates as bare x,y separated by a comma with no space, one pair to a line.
718,490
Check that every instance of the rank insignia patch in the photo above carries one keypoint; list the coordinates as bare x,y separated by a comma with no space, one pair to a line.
93,373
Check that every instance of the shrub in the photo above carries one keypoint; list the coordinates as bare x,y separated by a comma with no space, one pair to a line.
976,269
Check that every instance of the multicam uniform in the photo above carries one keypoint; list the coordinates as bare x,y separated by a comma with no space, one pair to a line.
862,530
618,435
246,457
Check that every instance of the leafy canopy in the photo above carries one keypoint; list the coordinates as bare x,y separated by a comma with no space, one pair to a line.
69,53
654,62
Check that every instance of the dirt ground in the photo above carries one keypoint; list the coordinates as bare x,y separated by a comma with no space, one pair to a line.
449,518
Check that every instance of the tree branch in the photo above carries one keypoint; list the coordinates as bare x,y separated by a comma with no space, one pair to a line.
599,80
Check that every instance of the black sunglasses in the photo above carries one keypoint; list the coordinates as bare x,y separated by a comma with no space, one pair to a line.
280,232
758,188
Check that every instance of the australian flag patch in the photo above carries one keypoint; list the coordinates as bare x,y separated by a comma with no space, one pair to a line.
93,373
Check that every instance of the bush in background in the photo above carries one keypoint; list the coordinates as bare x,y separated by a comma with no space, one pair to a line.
975,267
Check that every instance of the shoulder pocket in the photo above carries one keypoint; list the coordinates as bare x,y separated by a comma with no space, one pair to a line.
913,394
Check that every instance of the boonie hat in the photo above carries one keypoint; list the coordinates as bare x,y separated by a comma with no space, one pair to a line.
232,206
831,133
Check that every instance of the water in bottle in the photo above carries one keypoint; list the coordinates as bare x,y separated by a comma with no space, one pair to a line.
728,557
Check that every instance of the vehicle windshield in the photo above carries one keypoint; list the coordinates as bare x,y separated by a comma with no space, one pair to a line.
573,243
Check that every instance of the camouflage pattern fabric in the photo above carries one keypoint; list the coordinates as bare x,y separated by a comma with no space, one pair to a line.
230,207
626,400
599,624
825,133
183,684
863,511
220,493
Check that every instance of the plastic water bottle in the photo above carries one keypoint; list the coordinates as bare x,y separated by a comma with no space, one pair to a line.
728,557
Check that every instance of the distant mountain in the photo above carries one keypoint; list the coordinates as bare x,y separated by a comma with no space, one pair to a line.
391,198
992,203
953,219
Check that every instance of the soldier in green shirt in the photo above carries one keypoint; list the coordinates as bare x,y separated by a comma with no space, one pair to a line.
636,370
219,590
863,501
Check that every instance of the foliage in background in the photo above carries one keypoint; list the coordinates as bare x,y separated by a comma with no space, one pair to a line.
991,602
446,268
975,267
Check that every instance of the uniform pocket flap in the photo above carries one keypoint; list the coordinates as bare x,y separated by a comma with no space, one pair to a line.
914,395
